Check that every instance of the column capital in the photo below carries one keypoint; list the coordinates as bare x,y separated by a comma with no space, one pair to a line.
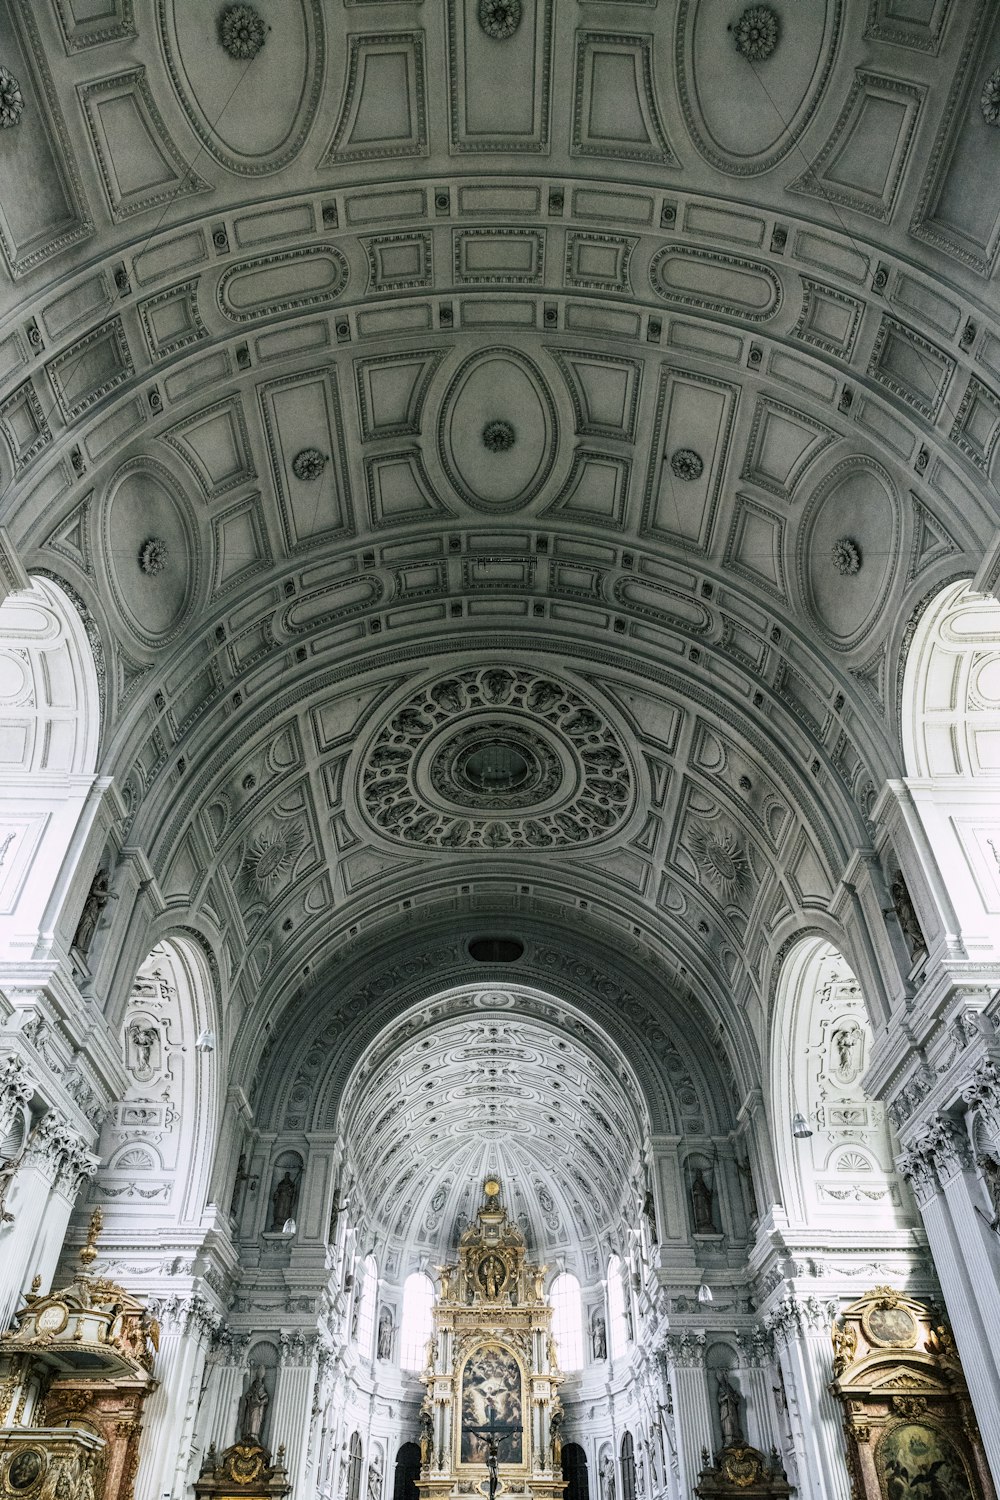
935,1154
794,1316
685,1350
756,1345
982,1093
298,1346
60,1151
184,1315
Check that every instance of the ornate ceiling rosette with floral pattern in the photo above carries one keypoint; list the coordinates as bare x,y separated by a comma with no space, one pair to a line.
497,758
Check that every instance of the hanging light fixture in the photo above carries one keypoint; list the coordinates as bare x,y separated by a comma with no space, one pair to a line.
705,1293
800,1126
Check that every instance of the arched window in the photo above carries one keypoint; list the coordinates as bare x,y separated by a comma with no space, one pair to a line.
418,1320
364,1332
628,1467
567,1320
354,1467
617,1322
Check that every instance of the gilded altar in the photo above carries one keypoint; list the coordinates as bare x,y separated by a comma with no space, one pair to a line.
908,1418
492,1382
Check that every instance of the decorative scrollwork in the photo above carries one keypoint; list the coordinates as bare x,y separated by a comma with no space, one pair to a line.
11,100
153,556
756,33
989,100
308,464
846,555
242,32
687,464
498,437
500,18
497,758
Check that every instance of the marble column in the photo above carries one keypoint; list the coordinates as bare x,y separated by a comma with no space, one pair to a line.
685,1358
170,1413
938,1164
801,1330
219,1410
292,1415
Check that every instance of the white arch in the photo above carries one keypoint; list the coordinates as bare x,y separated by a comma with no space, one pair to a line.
951,688
49,739
170,1112
842,1175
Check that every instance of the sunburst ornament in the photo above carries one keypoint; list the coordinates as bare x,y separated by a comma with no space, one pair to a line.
11,100
271,854
723,862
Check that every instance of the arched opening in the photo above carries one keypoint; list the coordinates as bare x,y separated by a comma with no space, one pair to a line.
158,1143
417,1322
354,1459
49,738
575,1472
841,1174
627,1454
407,1472
617,1320
567,1320
363,1330
951,746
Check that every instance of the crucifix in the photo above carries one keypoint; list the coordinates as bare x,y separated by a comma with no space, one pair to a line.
493,1432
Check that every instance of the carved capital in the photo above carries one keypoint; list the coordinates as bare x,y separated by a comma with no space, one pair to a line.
983,1094
756,1345
684,1350
298,1346
16,1089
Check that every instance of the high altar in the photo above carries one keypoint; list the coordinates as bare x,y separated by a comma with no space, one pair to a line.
491,1378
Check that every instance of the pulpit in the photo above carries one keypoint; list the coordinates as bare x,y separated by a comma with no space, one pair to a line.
491,1416
75,1371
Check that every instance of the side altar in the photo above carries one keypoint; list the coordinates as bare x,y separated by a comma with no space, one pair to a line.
491,1417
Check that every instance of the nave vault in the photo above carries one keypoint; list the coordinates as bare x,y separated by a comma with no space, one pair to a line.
499,724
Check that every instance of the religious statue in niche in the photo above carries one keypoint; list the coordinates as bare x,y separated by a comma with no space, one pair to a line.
375,1477
492,1275
385,1332
846,1047
97,899
649,1213
728,1399
702,1205
255,1404
606,1471
599,1334
906,914
492,1380
283,1201
990,1168
143,1049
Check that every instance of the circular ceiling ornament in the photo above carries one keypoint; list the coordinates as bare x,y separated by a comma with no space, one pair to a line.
498,437
756,33
242,32
11,100
723,862
308,464
989,100
846,556
153,555
497,758
500,18
687,464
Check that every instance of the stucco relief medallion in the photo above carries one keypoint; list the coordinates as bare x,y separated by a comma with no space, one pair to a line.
499,758
11,100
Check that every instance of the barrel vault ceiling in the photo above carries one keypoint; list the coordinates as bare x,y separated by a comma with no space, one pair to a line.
499,447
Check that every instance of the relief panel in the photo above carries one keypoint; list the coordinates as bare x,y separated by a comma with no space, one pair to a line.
497,401
384,110
141,167
289,67
304,432
499,85
861,165
691,434
728,99
615,109
730,284
849,550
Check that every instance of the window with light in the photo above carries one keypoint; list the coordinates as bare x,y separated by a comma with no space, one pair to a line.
617,1325
418,1320
366,1307
567,1320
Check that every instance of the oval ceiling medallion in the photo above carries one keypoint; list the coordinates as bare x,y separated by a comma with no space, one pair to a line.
150,550
717,281
750,79
220,75
497,758
848,550
497,430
